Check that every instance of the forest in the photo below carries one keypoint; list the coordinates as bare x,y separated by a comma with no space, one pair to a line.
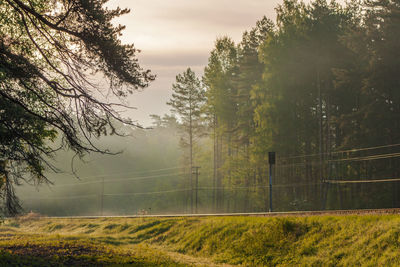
320,86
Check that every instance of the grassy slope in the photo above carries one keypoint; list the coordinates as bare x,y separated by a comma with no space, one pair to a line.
317,240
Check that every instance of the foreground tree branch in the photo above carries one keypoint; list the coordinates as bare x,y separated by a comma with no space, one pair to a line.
49,50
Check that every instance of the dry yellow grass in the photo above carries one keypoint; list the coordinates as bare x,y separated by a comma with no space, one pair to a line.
370,240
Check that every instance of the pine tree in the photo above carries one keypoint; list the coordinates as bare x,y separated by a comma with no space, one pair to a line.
221,108
187,100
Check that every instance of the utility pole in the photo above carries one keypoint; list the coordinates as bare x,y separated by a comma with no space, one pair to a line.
102,197
271,161
321,150
195,171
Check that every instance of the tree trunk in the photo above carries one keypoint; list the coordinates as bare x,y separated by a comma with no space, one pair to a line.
215,174
191,157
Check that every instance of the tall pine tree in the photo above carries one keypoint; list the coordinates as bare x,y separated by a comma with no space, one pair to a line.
187,100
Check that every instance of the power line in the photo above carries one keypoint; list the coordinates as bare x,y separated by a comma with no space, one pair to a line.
143,177
122,180
83,183
223,188
361,181
365,149
171,191
149,193
126,179
342,151
69,197
130,172
258,186
374,157
119,194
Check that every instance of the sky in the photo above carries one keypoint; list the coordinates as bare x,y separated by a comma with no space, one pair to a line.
176,34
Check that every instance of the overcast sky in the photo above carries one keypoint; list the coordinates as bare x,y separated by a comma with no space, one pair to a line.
176,34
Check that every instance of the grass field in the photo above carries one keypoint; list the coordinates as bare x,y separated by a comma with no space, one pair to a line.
368,240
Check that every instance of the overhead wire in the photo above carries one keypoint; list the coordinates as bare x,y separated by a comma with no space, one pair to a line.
128,173
121,180
148,193
361,181
127,179
223,188
374,157
66,197
258,186
342,151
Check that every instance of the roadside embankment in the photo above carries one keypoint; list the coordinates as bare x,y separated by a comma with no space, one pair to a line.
369,240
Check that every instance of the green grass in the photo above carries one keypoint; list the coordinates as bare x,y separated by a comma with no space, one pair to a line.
282,241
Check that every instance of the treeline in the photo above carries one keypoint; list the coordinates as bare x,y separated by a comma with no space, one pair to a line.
320,81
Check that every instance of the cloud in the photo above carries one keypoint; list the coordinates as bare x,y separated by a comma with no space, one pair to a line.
188,24
208,19
174,58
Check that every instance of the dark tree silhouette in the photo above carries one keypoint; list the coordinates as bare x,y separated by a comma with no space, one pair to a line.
49,52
